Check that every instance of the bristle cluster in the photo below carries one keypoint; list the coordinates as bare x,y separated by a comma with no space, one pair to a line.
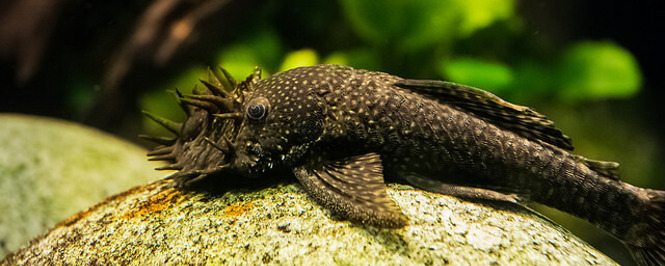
222,98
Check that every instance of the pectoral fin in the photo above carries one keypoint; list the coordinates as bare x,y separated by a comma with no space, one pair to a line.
353,187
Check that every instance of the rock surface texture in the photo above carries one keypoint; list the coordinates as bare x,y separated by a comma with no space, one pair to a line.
281,225
51,169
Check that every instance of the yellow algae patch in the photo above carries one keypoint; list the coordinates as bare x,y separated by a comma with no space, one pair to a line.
155,204
117,197
238,208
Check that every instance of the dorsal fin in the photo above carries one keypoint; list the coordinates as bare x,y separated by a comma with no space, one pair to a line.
519,119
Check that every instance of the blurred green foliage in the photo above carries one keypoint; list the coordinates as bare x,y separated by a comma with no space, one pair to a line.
304,57
163,102
597,70
261,48
406,25
481,43
478,73
460,41
475,42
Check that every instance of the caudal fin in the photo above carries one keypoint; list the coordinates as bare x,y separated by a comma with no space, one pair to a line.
649,248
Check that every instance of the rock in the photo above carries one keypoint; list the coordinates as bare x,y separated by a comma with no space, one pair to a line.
50,169
155,224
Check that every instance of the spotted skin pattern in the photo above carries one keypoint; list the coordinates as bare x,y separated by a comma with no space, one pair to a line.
344,132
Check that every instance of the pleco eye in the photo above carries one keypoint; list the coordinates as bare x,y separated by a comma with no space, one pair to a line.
258,108
256,111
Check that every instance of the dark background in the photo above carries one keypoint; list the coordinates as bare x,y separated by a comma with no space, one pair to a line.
42,49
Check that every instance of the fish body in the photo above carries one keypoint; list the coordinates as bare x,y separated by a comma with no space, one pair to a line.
344,132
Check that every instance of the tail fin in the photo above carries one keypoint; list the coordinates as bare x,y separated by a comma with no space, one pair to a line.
649,248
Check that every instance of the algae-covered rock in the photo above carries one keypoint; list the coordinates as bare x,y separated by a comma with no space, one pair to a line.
280,225
50,169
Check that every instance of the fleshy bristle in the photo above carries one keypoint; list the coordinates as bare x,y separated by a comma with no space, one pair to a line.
178,96
161,151
239,97
159,140
232,83
220,148
165,157
229,144
222,104
174,166
234,116
244,86
208,106
216,90
214,78
166,123
208,98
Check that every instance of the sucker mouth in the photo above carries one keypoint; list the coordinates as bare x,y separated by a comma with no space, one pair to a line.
222,100
259,160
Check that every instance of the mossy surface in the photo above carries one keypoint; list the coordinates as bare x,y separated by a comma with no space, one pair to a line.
280,225
51,169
